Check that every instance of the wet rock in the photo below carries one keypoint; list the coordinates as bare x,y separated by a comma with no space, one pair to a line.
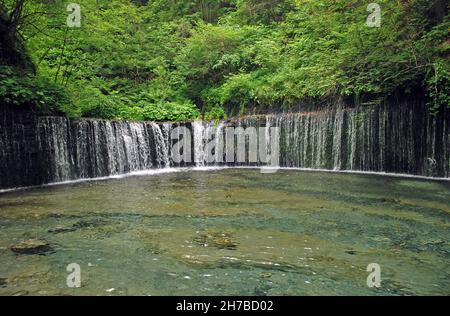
260,292
3,282
265,275
392,201
32,247
78,225
59,230
82,224
87,224
225,243
216,239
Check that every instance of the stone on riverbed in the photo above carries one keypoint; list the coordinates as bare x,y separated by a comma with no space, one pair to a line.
219,240
78,225
58,230
3,282
32,247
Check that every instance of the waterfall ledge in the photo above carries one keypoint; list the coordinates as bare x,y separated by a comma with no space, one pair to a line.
393,139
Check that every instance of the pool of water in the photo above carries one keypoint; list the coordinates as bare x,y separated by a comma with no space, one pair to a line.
230,232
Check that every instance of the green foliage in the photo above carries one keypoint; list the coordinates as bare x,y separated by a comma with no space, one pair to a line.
239,91
21,89
180,60
438,82
216,113
171,112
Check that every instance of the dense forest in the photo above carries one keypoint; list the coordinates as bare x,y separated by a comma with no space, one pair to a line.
185,59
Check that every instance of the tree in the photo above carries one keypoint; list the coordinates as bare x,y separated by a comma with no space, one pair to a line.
12,48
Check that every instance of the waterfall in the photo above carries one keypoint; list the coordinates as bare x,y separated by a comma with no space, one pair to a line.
209,143
395,139
94,148
52,139
199,145
161,144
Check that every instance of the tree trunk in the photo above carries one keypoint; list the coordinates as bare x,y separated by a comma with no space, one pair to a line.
12,49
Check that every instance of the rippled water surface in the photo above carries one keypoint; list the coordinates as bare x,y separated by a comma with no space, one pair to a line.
230,232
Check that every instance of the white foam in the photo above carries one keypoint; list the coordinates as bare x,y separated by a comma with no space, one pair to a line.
141,173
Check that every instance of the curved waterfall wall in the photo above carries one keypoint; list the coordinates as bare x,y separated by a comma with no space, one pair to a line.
36,150
92,149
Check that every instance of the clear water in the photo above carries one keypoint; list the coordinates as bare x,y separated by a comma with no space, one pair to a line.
230,232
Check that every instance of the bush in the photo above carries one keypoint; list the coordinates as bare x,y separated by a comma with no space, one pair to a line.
216,113
132,113
21,89
91,102
171,111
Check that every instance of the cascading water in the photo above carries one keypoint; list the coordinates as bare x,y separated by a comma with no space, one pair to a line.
91,148
161,145
199,136
379,139
402,139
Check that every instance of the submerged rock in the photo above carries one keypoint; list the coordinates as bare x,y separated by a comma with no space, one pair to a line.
88,224
265,275
3,282
58,230
32,247
216,239
78,225
225,243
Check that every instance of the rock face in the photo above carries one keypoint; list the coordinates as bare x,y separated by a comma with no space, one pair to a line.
32,247
20,159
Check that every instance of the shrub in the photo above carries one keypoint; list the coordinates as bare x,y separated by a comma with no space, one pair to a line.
21,89
171,111
216,113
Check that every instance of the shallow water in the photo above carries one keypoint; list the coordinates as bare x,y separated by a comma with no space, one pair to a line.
230,232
